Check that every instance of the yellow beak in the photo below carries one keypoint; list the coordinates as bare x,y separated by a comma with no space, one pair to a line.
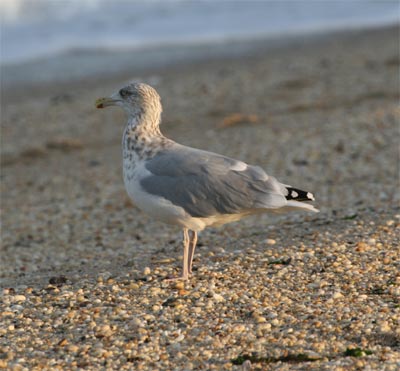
105,102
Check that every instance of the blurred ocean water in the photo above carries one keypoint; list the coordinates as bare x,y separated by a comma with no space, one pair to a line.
32,29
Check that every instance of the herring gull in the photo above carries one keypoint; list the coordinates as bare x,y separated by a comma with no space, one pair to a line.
188,187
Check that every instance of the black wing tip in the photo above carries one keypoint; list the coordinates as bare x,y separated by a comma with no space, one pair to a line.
299,195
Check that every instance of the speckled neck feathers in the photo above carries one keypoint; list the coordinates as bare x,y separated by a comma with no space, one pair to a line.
142,136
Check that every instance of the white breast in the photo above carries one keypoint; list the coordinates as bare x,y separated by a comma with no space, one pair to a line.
155,206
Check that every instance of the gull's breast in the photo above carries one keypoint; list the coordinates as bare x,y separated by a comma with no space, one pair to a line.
155,206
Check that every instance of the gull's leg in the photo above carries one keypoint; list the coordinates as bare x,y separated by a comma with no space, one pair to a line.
192,247
185,269
186,242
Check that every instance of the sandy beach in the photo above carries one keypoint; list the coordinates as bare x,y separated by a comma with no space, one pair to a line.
83,271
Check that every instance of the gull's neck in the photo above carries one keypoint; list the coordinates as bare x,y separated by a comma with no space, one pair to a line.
143,123
142,135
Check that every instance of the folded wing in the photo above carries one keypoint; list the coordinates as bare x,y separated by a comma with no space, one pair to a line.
206,184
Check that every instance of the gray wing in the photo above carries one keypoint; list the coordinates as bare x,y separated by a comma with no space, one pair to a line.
205,183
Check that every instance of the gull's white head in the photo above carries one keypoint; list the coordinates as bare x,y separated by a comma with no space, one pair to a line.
135,99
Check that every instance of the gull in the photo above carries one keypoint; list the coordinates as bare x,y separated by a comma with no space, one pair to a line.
189,187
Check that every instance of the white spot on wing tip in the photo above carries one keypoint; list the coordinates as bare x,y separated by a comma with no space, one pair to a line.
294,194
310,196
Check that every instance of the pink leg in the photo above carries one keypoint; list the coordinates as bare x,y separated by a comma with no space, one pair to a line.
192,247
185,270
186,242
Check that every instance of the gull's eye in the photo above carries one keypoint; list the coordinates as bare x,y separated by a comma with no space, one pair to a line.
124,92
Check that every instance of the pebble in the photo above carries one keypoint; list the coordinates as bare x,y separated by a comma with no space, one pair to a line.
103,330
180,285
385,327
337,295
73,348
218,298
19,298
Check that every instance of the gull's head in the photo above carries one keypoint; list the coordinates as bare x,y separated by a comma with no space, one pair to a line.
135,98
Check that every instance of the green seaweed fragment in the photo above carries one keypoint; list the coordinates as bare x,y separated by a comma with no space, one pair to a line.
280,261
350,217
357,352
290,358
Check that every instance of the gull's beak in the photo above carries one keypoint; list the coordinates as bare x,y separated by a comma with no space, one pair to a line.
108,101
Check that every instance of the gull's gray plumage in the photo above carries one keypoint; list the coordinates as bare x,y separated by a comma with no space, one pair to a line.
206,184
190,187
